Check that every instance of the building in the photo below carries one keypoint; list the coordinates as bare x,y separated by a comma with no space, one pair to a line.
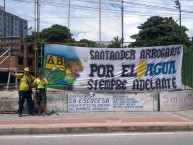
14,55
14,52
15,26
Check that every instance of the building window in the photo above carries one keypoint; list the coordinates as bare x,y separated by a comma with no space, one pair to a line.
22,48
20,61
30,62
30,49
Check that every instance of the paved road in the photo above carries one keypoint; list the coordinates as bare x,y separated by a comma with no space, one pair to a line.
169,138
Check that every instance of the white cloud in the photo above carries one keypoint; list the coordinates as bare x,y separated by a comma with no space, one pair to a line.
129,20
89,36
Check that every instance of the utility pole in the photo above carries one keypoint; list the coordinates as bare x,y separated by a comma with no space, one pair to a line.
35,28
99,21
180,23
35,34
178,6
122,23
38,31
69,20
4,21
38,21
192,43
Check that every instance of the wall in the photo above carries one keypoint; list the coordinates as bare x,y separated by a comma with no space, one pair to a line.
71,102
176,101
8,101
10,62
112,102
6,63
57,102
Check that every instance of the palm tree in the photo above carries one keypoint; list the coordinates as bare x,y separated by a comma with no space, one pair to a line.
116,43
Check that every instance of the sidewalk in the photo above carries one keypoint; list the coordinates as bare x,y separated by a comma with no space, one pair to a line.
97,122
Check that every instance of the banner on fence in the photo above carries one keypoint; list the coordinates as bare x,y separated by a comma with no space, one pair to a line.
112,102
113,70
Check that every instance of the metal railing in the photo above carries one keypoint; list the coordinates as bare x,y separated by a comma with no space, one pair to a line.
187,69
5,55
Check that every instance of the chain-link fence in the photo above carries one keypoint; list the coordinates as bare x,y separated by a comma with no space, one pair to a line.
89,19
187,69
97,20
86,19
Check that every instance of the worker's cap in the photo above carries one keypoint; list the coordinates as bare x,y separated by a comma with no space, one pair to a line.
26,69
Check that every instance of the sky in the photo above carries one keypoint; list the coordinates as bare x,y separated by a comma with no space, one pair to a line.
83,15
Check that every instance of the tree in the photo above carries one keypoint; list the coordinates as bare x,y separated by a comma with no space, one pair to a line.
88,42
30,38
157,31
55,33
116,43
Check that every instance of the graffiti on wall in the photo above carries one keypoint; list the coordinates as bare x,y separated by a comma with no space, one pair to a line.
174,101
57,102
112,102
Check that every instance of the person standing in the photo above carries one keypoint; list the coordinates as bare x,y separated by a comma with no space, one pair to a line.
25,91
41,99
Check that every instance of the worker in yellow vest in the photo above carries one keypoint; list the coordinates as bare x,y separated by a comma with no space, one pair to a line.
41,99
25,91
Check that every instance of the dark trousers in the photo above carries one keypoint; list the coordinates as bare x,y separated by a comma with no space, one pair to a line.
28,96
41,96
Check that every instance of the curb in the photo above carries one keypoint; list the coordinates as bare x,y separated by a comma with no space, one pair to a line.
94,129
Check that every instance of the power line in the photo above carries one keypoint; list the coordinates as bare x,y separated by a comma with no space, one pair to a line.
107,9
112,9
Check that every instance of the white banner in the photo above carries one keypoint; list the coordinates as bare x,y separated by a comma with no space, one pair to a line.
112,102
114,70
